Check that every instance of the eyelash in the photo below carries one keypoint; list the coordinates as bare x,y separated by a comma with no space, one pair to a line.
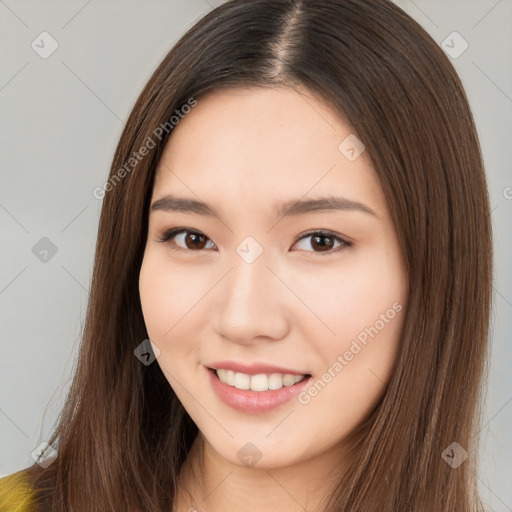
168,235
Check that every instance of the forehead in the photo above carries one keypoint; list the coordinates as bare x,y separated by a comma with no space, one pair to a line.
255,145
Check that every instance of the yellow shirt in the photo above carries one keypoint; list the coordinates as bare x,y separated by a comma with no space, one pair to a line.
16,494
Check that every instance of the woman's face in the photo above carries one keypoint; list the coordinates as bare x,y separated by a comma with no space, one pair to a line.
285,275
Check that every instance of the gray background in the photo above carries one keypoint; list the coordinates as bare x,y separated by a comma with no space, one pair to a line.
61,118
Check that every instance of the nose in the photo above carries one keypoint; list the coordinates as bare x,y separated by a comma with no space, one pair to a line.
252,304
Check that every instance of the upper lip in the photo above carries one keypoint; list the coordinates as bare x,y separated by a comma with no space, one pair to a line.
252,368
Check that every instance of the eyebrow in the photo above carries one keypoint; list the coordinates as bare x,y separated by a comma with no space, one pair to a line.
170,203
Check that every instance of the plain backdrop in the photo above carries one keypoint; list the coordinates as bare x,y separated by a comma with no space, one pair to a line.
61,115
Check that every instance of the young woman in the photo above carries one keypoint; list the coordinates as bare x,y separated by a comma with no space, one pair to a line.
290,300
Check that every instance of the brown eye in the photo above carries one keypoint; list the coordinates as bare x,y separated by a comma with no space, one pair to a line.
185,239
323,242
182,239
195,241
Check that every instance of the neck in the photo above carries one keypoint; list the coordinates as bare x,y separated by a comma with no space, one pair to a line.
210,483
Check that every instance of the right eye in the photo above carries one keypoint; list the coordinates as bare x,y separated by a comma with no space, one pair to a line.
182,239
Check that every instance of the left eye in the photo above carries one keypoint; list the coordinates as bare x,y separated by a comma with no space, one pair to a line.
325,242
195,239
321,241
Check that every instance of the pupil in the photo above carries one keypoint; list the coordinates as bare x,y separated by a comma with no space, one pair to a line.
195,237
317,244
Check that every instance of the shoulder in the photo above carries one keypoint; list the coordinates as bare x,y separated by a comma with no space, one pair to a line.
16,494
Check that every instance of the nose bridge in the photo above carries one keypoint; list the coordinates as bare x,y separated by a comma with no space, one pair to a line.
251,303
248,280
250,272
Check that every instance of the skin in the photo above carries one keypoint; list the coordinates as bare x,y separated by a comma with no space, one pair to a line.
243,151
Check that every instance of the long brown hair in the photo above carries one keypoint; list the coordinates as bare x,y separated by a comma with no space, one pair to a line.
123,435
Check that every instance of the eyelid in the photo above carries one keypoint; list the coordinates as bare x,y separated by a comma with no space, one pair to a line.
344,243
168,234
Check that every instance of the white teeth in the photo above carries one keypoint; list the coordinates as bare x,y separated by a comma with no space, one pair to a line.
275,381
230,377
242,381
288,380
260,382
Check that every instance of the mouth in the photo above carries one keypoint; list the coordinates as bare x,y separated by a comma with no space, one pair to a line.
256,392
259,382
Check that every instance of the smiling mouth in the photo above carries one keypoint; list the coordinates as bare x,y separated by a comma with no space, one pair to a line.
259,382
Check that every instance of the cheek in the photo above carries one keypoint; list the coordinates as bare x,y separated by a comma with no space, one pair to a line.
168,295
366,312
361,301
169,299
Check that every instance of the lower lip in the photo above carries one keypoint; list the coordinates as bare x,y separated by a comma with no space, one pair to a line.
255,401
